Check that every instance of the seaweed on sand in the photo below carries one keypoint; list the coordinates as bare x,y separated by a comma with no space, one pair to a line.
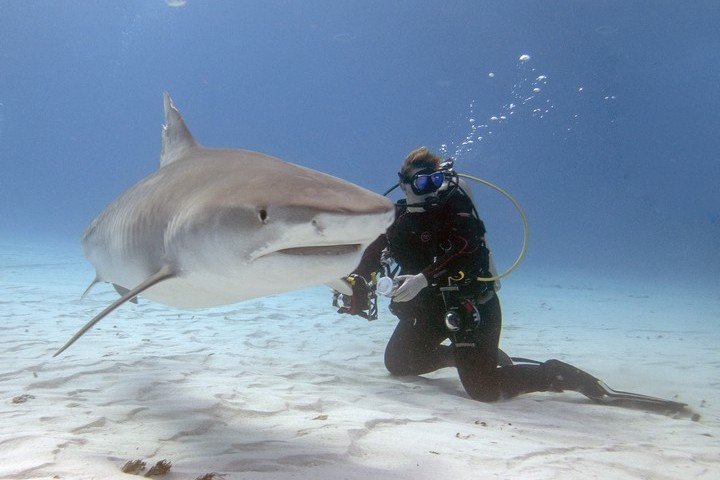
160,468
211,476
133,467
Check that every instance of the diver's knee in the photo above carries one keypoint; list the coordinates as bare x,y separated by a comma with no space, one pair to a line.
482,394
396,366
480,383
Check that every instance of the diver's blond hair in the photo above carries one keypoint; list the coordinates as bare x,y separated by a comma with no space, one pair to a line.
420,158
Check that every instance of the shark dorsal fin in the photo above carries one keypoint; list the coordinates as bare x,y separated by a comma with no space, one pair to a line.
176,138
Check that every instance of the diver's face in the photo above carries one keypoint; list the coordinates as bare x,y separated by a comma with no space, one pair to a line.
411,196
428,180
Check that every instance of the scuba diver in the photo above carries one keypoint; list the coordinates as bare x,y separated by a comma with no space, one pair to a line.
447,289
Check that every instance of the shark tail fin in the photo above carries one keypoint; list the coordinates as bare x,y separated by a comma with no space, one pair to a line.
176,137
164,273
95,281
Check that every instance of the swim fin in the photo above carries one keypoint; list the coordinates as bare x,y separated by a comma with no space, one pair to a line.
637,400
563,376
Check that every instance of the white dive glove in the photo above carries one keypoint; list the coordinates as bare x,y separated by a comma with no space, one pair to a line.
410,287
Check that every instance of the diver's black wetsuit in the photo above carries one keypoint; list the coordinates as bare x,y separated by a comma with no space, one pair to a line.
441,242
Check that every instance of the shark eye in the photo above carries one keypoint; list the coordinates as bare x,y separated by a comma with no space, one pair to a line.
262,215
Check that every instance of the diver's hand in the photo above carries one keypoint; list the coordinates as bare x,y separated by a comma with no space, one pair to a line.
410,287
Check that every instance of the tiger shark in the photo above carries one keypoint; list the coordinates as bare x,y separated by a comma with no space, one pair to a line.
216,226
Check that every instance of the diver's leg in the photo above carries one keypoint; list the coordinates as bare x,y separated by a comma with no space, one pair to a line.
415,347
478,367
476,359
485,381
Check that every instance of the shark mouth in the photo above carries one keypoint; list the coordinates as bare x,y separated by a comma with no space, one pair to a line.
325,250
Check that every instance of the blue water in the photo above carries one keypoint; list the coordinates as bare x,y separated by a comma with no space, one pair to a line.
615,158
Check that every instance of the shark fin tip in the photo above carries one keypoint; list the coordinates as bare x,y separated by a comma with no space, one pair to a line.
176,137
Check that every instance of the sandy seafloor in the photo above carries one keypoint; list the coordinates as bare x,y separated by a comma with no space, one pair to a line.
283,387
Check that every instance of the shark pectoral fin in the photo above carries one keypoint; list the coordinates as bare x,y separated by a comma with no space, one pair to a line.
95,281
164,273
123,291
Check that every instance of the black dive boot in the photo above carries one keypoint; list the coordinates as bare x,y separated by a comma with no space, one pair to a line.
563,376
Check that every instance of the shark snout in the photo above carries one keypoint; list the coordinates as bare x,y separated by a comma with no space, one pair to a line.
351,228
339,228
